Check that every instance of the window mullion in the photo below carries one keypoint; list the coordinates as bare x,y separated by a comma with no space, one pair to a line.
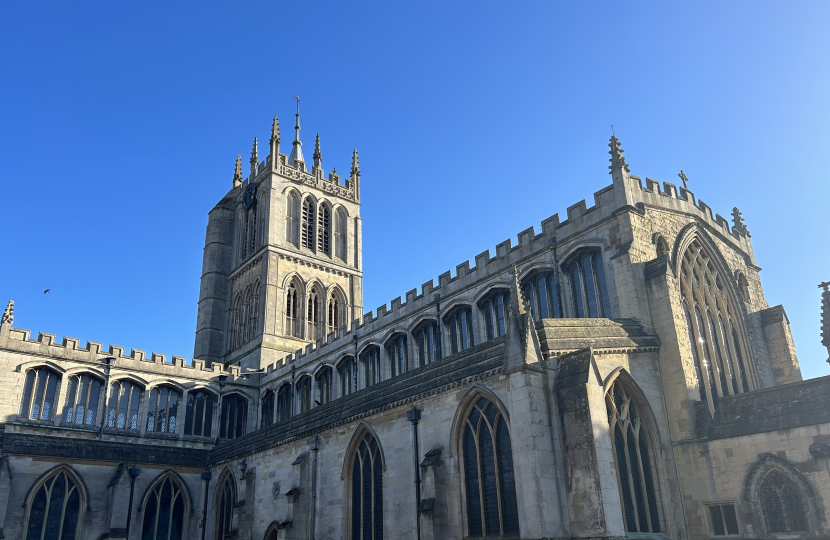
479,465
630,478
496,473
642,479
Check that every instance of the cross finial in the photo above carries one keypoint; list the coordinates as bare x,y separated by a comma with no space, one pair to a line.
685,179
824,285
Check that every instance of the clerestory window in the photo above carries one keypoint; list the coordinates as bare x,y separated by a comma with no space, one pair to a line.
39,392
83,392
589,292
371,365
428,341
396,353
494,308
460,326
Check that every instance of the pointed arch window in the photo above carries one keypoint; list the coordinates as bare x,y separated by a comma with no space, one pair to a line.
333,320
292,322
324,230
234,416
252,312
782,504
123,402
236,324
489,483
285,397
55,509
164,511
541,291
460,324
268,408
243,248
83,392
39,392
494,309
371,365
198,420
348,375
314,316
163,409
589,292
367,490
225,501
304,393
396,352
429,347
340,234
307,226
292,220
636,478
324,378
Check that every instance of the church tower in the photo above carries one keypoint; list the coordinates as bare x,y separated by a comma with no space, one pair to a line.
282,263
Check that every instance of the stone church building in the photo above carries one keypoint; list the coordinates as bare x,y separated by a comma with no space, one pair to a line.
617,374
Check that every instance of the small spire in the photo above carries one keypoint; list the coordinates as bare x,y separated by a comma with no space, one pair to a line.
685,179
8,315
738,221
237,173
296,152
355,165
254,158
825,316
275,131
617,159
318,157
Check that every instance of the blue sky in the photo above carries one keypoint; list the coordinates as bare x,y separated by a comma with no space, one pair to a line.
121,122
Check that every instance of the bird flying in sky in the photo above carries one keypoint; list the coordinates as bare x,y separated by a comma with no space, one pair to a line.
46,291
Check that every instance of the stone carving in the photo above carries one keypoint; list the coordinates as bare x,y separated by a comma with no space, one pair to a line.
8,314
276,490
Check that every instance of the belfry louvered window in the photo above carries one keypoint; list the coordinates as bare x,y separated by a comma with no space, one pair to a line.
83,393
307,227
292,220
711,317
632,452
324,385
39,393
285,398
304,393
163,410
541,291
292,310
494,308
460,325
234,416
340,234
348,375
589,293
367,491
396,352
225,501
314,316
54,513
427,339
122,409
782,504
267,407
324,231
488,472
198,419
371,365
164,511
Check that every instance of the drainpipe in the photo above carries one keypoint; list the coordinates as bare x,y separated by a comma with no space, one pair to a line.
315,446
206,476
414,415
134,472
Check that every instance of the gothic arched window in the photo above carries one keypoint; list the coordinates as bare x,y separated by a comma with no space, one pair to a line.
429,346
492,509
782,504
163,409
588,289
348,376
710,308
314,316
234,416
245,317
333,320
54,512
268,408
324,230
83,392
371,365
198,419
253,224
324,377
494,309
284,403
252,308
225,501
304,393
39,392
340,234
292,220
460,323
307,225
396,352
367,490
636,478
542,293
164,511
123,402
292,323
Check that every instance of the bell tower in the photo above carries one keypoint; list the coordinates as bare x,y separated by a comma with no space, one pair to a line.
282,264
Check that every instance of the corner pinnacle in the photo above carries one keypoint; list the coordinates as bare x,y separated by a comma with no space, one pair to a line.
355,165
237,173
617,159
8,315
275,130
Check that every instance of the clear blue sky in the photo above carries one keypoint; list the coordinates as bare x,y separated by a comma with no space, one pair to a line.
120,123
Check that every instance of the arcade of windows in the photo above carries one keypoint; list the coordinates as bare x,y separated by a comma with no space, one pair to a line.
308,225
308,323
244,317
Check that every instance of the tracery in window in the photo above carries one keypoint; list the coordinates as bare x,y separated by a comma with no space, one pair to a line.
710,307
348,375
164,511
460,325
234,416
782,504
123,402
494,308
39,392
324,230
542,293
236,324
285,398
198,419
367,490
292,220
163,409
427,338
333,319
324,378
83,392
55,508
492,509
252,318
370,359
589,294
304,393
292,310
396,353
307,226
225,501
636,478
267,408
340,234
314,316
